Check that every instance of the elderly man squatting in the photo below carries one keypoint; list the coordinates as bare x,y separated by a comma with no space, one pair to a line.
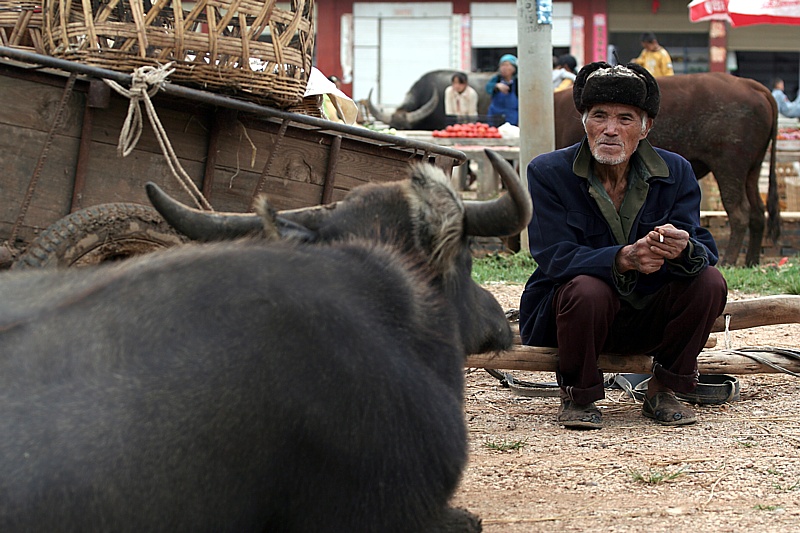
623,263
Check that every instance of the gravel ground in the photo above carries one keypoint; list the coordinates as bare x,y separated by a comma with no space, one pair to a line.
737,468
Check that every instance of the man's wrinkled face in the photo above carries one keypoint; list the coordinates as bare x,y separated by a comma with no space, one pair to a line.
614,131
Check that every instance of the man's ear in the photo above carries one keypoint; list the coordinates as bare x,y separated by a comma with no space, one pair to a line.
648,127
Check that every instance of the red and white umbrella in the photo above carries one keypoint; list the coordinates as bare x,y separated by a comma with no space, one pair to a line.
746,12
703,10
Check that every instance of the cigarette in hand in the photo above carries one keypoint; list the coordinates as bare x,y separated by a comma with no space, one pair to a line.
660,237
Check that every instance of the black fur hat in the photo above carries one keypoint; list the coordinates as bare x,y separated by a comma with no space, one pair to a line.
631,84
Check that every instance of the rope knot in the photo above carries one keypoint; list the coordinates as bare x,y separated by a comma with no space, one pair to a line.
145,83
148,79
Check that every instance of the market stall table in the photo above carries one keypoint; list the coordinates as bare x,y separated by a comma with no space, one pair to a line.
488,181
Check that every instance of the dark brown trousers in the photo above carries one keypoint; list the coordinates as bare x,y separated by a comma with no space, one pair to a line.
673,328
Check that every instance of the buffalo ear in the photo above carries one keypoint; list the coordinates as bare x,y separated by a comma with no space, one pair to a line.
269,218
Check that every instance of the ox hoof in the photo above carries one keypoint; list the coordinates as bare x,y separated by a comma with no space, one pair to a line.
457,520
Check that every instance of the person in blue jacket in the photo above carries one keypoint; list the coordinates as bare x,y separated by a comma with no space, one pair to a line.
787,108
623,265
503,87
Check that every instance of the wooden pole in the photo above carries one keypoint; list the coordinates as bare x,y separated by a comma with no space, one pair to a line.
535,59
541,359
768,310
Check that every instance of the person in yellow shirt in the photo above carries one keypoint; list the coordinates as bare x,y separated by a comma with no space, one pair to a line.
654,57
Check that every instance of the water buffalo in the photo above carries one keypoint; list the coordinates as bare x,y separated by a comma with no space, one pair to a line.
423,106
309,384
721,124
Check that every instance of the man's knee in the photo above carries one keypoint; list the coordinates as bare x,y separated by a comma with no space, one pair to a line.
586,293
711,283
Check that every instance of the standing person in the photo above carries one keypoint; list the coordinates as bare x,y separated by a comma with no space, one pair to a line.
786,107
564,75
459,98
623,263
504,90
654,57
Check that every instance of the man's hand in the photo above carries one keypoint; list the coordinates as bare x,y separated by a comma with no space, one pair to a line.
648,253
502,87
639,256
668,241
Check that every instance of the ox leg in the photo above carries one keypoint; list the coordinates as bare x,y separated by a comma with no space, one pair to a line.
757,219
736,207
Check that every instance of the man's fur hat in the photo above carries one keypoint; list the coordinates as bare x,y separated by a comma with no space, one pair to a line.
631,84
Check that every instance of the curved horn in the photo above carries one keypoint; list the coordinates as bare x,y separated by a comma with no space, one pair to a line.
377,113
504,216
418,114
206,226
199,225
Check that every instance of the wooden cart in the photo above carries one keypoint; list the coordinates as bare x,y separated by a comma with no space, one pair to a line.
67,198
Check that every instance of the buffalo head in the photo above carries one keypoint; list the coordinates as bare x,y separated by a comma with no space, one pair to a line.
422,216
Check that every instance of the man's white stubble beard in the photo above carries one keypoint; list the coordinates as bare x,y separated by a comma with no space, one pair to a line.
609,160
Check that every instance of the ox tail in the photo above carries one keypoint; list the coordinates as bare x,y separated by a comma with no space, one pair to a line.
773,203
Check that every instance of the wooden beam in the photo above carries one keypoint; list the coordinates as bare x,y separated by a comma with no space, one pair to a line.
754,312
541,359
764,311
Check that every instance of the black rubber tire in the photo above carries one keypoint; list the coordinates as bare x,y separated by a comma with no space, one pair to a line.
99,234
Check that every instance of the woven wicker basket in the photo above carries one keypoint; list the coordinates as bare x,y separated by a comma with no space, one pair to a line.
21,25
249,48
310,105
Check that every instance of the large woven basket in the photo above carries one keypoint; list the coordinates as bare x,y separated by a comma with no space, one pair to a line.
249,48
21,25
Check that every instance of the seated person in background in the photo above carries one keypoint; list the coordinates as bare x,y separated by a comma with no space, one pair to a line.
786,107
624,265
564,73
460,99
504,90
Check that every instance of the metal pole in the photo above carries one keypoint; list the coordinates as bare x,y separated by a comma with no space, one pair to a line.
535,50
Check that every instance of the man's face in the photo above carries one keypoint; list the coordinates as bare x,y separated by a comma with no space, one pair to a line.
614,132
458,86
652,46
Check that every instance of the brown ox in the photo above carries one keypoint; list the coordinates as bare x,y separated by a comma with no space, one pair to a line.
721,124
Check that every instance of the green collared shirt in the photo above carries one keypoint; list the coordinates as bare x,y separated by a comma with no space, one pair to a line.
645,164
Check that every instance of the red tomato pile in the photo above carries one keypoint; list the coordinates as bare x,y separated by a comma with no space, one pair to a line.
471,129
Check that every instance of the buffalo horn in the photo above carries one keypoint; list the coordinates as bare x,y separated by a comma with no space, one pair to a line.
200,225
506,215
205,226
418,114
377,113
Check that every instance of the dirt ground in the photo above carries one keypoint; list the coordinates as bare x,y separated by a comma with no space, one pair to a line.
736,469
